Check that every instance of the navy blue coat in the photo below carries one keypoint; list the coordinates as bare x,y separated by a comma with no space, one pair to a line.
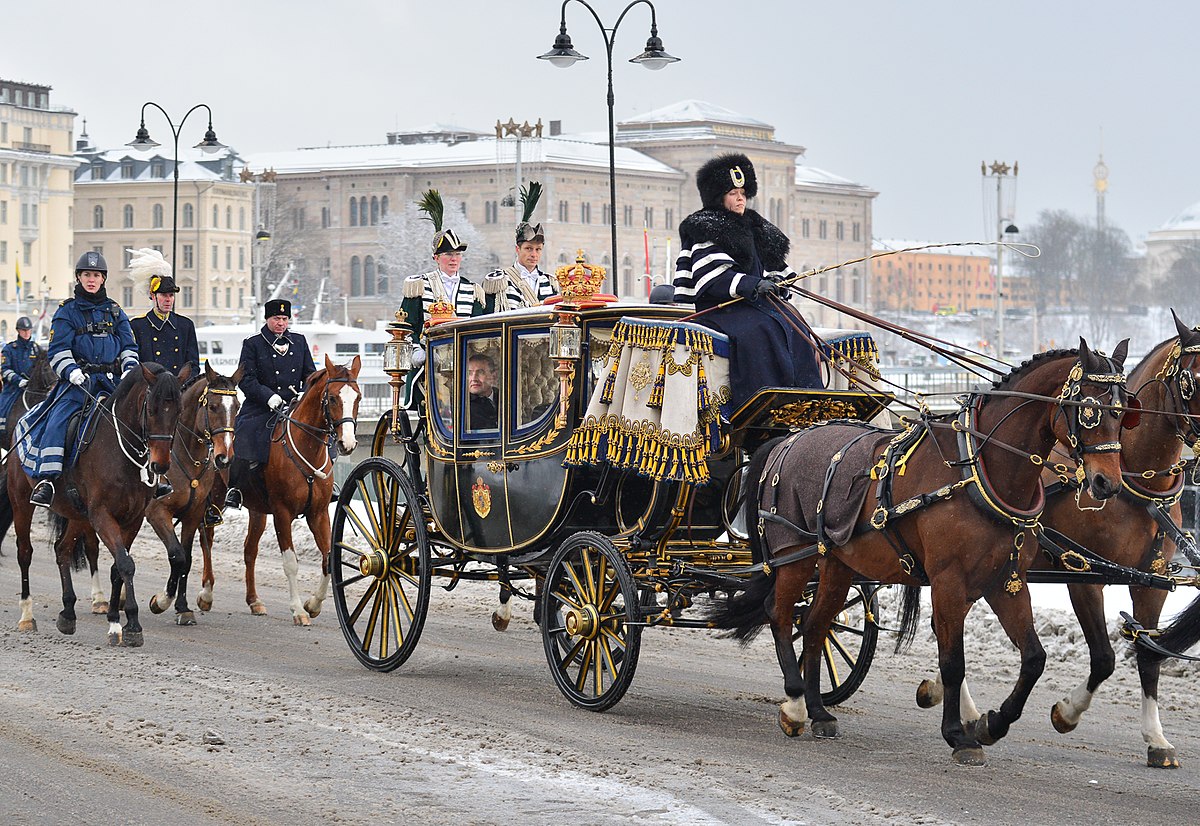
170,341
16,364
266,372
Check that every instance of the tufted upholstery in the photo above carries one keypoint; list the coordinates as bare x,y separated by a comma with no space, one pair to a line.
537,384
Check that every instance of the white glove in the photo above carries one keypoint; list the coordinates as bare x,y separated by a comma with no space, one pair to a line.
418,356
78,378
275,401
22,382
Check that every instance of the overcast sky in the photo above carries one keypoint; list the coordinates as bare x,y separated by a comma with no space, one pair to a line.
904,97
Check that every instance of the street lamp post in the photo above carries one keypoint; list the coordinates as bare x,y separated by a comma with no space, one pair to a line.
563,54
1000,170
144,142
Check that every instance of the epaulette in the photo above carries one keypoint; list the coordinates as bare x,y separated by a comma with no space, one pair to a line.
495,282
63,303
478,293
414,286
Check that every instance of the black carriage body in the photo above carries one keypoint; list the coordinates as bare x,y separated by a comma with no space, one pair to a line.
503,489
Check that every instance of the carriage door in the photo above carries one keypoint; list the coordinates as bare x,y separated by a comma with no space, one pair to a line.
482,493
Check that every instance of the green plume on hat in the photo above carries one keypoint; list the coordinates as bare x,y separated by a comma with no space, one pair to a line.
529,199
431,204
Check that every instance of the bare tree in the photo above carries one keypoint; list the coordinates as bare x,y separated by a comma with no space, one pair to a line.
1053,274
405,240
293,258
1107,271
1181,286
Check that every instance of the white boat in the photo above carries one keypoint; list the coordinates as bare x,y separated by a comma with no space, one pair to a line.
221,345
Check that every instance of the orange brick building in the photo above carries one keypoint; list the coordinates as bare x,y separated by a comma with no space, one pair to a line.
947,279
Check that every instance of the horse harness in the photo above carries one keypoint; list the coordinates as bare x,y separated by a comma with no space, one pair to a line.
325,436
206,438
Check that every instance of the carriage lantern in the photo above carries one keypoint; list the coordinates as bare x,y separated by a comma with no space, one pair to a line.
578,283
398,360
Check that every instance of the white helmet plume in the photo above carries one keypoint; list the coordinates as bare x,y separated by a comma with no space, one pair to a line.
144,263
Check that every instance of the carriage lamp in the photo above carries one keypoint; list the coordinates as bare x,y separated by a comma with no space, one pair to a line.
566,338
397,361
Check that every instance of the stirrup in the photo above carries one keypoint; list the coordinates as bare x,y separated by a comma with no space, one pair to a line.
43,494
233,498
162,489
212,517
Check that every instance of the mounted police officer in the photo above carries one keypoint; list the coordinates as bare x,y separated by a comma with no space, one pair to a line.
16,366
162,334
522,284
275,364
91,345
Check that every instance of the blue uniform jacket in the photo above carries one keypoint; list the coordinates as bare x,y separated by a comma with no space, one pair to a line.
170,341
16,363
267,371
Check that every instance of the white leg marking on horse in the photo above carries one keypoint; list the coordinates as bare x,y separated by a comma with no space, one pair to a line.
206,593
115,628
967,711
1152,731
98,593
1074,704
349,438
795,709
291,569
27,610
504,612
322,592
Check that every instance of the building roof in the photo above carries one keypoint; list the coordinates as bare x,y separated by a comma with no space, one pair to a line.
483,152
693,120
194,165
813,178
694,111
1188,219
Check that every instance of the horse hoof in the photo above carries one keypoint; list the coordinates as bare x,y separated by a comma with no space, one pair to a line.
204,604
133,639
157,607
114,638
1161,758
499,623
64,625
970,756
791,728
27,625
185,618
1059,722
981,730
301,619
312,606
258,609
929,694
99,607
825,729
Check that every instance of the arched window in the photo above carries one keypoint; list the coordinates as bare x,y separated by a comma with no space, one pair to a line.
228,217
381,278
189,215
353,212
627,276
383,208
369,276
242,218
363,216
97,217
216,223
128,215
355,276
157,216
374,210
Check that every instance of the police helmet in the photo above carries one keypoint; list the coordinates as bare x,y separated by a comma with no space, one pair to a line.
23,323
91,260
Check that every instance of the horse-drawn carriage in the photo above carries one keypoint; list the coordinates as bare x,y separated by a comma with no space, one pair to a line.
609,481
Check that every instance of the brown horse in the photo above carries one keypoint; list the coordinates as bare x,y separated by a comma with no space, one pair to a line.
297,479
920,525
106,491
41,381
1127,533
203,446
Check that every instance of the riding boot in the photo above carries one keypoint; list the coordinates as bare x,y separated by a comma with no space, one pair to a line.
43,493
212,515
237,474
163,488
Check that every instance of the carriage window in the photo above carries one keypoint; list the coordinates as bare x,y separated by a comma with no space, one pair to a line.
537,385
598,343
441,386
481,379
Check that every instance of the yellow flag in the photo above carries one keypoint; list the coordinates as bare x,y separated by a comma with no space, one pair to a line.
18,263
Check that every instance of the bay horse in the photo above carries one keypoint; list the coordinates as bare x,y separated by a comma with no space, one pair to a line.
297,479
105,491
1129,531
203,447
41,381
918,525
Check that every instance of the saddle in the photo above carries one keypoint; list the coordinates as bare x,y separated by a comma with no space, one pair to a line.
81,428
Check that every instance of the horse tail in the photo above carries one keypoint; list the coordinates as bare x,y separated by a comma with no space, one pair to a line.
910,613
58,527
6,509
1180,635
752,485
743,614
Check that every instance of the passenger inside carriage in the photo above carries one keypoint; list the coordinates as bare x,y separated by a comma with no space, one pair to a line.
483,406
730,253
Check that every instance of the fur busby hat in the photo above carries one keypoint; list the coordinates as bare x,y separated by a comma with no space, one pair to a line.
150,264
444,240
277,306
529,199
723,173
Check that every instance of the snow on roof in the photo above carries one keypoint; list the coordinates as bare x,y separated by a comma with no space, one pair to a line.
811,176
693,111
1188,219
190,166
482,152
895,245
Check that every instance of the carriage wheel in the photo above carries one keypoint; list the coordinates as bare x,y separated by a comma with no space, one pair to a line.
379,564
383,434
588,602
850,644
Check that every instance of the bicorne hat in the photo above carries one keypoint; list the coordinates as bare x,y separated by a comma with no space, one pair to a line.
277,306
525,230
723,173
444,240
163,284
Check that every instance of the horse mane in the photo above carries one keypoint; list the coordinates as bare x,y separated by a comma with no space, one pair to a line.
1027,365
162,391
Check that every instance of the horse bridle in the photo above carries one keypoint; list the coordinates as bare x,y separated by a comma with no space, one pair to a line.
1181,387
1089,410
206,435
325,435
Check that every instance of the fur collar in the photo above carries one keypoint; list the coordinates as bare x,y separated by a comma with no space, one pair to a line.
737,235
